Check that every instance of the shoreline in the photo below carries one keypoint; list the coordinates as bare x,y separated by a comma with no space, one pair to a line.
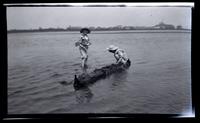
107,31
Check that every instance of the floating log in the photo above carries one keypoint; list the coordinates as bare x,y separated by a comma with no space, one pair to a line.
85,79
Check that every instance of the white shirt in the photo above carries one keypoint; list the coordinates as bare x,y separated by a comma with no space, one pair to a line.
84,40
121,55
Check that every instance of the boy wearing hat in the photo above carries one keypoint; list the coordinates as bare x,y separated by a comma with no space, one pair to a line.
83,44
119,55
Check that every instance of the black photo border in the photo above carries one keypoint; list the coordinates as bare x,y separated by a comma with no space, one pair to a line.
3,81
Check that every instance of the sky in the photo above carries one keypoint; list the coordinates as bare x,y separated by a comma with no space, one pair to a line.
45,17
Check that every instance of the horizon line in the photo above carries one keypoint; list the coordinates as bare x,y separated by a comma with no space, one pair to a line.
92,27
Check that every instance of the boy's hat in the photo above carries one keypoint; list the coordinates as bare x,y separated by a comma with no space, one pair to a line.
85,29
112,47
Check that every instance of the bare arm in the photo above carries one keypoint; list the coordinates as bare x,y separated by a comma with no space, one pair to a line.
80,39
119,60
120,57
78,43
89,43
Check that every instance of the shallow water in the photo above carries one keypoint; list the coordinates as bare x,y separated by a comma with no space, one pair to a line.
158,81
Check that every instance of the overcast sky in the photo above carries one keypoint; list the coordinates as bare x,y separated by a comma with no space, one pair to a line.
45,17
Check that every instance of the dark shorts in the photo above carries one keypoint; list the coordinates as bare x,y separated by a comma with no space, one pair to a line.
128,64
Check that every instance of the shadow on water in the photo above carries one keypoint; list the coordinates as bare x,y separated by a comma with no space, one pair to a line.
83,95
118,79
85,69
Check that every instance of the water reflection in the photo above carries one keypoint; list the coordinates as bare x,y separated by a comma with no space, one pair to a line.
83,95
118,79
85,69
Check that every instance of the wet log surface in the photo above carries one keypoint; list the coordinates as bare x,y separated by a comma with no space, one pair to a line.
86,79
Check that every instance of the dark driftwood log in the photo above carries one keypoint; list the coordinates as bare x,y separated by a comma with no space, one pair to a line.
84,79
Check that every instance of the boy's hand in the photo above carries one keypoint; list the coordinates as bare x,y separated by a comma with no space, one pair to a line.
77,44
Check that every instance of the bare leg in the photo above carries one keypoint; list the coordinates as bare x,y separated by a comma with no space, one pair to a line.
84,57
83,62
86,61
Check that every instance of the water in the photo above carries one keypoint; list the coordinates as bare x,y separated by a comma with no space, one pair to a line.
159,80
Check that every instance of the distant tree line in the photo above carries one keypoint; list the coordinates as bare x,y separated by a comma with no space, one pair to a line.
160,26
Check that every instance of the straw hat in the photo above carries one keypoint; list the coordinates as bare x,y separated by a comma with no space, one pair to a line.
112,47
84,29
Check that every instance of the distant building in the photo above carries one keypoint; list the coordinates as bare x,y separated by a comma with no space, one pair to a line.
179,27
92,28
162,25
128,27
119,27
